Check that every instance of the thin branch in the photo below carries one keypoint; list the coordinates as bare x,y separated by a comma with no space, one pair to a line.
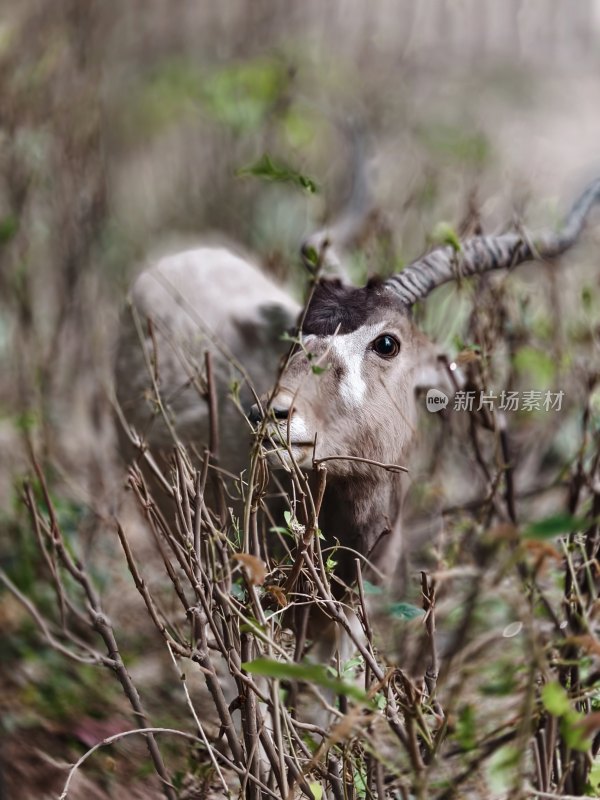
395,468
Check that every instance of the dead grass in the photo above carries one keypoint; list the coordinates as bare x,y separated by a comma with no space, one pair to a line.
115,137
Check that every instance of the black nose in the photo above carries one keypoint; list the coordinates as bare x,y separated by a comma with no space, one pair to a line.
255,414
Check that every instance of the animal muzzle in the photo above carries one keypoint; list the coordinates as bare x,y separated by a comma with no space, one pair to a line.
279,411
286,434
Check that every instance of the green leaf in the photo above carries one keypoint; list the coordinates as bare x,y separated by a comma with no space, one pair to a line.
238,591
556,525
573,732
444,233
593,787
8,228
500,679
501,768
360,781
304,671
170,92
330,564
26,421
466,728
405,611
298,128
316,789
252,626
555,699
311,255
243,95
266,169
318,370
353,663
234,388
536,366
280,529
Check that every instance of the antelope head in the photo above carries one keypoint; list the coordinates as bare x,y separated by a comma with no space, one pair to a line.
347,394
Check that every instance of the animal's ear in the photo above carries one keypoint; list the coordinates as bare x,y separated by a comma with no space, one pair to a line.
277,319
269,327
320,256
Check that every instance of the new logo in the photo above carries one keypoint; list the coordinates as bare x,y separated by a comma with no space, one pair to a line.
436,400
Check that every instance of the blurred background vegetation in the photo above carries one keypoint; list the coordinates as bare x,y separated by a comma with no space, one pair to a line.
123,130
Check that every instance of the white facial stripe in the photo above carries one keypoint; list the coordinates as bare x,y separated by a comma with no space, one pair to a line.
350,349
298,440
295,427
298,430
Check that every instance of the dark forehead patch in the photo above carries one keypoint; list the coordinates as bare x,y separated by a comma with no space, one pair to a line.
337,307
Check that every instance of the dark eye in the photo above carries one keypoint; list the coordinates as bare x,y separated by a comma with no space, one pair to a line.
386,346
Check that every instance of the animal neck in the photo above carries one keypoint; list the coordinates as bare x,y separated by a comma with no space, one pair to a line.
363,515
